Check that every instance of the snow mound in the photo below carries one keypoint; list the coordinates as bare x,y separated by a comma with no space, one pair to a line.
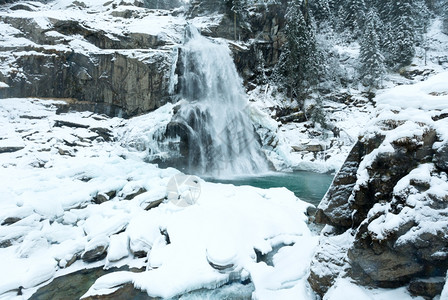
430,94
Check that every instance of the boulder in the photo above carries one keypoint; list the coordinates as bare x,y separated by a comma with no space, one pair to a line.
427,287
334,208
10,220
135,193
310,147
392,194
330,259
100,198
95,250
441,157
60,123
294,117
9,149
94,254
125,291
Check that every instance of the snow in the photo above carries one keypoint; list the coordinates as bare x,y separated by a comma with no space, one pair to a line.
344,287
48,184
279,139
49,194
430,94
284,279
444,294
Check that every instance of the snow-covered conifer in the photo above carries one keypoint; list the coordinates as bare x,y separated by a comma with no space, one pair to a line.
372,66
298,64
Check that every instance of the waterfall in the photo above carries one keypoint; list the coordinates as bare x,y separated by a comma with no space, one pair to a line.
213,119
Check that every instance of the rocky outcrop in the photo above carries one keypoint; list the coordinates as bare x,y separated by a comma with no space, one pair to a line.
125,72
261,34
120,73
392,195
125,84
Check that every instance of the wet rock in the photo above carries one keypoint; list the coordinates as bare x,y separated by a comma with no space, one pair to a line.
70,261
311,147
297,117
10,149
135,193
100,198
126,291
10,220
428,287
311,211
154,204
441,157
60,123
5,243
94,254
75,285
95,250
21,7
105,133
179,129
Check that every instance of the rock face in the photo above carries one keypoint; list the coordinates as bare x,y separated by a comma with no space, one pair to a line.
262,32
392,194
121,73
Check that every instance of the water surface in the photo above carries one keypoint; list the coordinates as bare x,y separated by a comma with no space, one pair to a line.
308,186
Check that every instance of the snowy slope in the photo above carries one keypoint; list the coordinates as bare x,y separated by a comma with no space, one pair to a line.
53,169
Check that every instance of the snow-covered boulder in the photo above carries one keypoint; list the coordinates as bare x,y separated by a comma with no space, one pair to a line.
392,196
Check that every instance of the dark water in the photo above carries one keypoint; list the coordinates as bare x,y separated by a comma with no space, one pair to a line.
308,186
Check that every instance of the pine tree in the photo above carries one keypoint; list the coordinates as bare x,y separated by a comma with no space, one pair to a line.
431,5
421,16
353,15
401,33
238,8
297,69
372,66
445,17
321,10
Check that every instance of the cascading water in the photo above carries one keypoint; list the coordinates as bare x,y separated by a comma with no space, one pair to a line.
213,118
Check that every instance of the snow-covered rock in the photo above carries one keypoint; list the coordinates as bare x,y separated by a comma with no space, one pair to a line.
52,222
393,190
110,57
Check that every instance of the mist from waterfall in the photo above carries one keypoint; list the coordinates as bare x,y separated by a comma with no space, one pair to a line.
214,112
